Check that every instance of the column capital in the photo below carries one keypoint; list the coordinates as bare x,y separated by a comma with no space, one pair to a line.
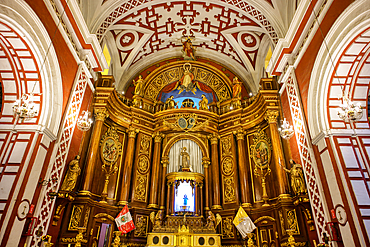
240,133
271,116
158,136
100,114
132,131
165,161
214,138
205,162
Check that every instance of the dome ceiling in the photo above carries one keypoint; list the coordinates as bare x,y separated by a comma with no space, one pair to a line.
235,33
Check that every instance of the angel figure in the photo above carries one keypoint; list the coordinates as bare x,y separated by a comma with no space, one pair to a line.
213,221
237,88
156,219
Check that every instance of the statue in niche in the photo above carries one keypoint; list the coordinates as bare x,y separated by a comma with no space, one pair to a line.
170,103
139,85
72,174
185,200
186,81
296,178
185,165
203,103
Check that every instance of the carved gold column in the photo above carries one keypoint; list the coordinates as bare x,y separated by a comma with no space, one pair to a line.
126,179
271,118
201,199
242,164
153,199
196,196
169,198
165,162
205,162
215,171
100,115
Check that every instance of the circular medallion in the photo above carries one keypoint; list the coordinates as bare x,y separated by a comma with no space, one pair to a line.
227,166
143,164
341,215
109,150
182,123
261,154
191,122
23,209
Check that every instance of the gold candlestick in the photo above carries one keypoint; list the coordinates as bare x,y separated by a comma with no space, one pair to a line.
263,175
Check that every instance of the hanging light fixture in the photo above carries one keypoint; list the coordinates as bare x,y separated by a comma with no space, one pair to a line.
24,108
349,111
286,130
84,122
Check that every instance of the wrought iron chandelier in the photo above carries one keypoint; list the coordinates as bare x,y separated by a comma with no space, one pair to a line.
349,111
24,108
84,122
286,130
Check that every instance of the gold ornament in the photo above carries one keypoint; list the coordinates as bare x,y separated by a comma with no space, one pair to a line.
100,114
75,217
271,116
229,189
227,228
145,144
141,226
140,188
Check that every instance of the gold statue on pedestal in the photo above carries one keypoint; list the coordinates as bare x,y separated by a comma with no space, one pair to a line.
185,166
296,178
139,85
72,174
203,103
213,221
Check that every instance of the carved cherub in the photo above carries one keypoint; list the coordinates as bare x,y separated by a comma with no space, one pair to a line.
156,219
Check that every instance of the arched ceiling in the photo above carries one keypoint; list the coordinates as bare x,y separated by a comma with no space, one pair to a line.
235,33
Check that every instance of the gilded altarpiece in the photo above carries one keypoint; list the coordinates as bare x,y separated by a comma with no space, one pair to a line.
142,169
229,177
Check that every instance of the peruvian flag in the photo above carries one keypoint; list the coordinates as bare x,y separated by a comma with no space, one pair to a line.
124,221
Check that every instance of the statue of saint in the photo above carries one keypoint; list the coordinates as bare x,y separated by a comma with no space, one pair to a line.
237,88
170,103
203,103
211,219
188,49
185,159
296,178
186,81
72,174
139,85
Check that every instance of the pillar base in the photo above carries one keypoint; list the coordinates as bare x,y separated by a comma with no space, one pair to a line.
246,205
84,193
216,207
155,206
285,197
122,203
206,209
162,207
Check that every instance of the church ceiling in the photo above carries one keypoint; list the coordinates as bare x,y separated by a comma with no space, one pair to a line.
235,33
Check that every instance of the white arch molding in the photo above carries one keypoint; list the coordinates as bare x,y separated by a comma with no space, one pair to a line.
348,42
22,137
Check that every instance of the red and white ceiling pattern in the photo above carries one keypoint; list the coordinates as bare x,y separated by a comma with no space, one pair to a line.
234,29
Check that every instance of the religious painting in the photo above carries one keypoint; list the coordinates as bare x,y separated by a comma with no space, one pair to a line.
110,147
261,150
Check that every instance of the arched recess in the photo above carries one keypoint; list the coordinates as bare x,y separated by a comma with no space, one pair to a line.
28,63
197,140
21,18
204,73
345,154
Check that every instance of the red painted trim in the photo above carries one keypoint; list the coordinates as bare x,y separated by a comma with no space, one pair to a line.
79,34
297,36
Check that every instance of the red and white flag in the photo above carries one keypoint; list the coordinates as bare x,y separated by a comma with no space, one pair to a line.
124,221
